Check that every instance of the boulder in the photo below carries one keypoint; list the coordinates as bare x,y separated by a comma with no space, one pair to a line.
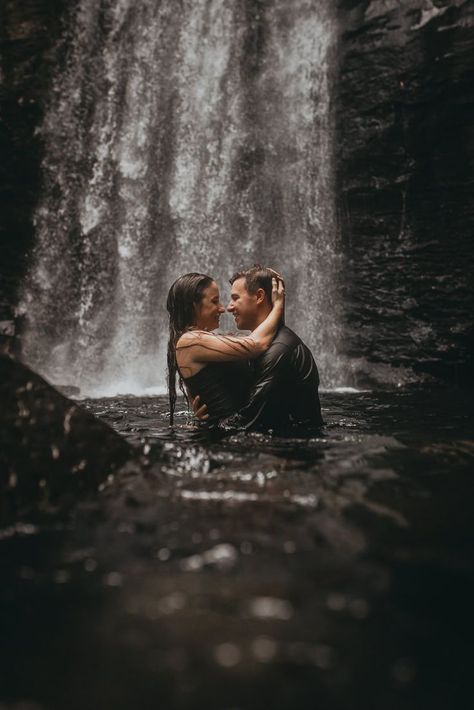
51,449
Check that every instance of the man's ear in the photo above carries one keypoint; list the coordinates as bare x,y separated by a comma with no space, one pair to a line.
260,294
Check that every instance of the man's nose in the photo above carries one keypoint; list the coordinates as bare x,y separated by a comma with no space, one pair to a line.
230,307
221,308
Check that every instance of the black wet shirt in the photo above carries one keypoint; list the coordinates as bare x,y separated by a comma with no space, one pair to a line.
284,395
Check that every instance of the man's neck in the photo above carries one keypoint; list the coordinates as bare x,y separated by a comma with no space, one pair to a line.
261,317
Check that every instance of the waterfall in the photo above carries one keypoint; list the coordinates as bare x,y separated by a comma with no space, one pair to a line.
181,135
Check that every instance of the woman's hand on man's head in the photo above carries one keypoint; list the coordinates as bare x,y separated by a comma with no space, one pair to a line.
278,291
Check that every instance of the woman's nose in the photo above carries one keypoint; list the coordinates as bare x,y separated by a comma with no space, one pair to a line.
221,308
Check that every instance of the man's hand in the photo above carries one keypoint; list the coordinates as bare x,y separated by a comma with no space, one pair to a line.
199,410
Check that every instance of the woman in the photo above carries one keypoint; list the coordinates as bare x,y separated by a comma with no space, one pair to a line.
203,360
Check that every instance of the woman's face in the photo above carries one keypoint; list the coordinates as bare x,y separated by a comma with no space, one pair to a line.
209,310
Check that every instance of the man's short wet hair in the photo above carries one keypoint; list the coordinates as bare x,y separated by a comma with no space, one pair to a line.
256,277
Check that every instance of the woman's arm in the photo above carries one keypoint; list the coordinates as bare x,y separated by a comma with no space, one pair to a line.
197,346
266,331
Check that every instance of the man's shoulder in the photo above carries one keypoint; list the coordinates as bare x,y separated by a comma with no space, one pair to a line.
288,346
286,339
283,346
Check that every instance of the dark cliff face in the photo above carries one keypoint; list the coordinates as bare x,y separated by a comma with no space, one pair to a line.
29,30
405,121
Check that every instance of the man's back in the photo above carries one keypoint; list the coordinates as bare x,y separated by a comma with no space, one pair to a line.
284,396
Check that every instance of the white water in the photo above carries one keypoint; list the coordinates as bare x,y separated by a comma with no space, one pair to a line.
182,135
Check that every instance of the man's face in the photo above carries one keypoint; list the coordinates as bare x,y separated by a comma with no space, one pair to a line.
243,306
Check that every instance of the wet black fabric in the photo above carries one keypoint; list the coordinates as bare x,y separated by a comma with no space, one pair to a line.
284,395
223,386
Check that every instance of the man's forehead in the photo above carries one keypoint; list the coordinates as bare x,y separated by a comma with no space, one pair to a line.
239,285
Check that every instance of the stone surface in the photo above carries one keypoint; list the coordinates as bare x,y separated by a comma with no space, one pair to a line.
28,33
405,121
51,449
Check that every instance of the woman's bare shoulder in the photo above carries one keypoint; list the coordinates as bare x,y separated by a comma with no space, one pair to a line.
191,337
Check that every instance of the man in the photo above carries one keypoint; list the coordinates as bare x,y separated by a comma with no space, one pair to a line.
284,392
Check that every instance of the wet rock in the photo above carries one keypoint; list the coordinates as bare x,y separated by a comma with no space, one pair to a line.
28,33
405,123
69,390
51,449
7,336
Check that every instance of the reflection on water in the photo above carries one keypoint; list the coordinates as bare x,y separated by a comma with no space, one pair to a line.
251,572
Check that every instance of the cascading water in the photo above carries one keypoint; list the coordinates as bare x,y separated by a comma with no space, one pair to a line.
181,135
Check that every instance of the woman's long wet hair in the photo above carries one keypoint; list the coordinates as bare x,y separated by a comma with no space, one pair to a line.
184,294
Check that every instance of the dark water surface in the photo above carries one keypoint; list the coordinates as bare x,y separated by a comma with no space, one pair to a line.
251,572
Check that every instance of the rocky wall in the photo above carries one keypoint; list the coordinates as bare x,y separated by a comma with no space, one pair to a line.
29,30
405,153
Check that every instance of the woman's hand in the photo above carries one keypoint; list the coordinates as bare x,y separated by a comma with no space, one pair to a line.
278,292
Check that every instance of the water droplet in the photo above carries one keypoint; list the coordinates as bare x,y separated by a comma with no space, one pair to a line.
223,556
359,608
61,576
163,554
171,603
264,649
336,601
192,564
322,656
127,528
90,565
26,529
261,480
113,579
227,655
271,608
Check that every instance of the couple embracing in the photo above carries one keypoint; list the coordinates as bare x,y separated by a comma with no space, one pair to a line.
266,381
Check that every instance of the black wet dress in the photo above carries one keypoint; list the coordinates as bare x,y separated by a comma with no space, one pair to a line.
223,386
